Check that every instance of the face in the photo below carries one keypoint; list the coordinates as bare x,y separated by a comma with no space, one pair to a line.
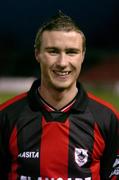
60,57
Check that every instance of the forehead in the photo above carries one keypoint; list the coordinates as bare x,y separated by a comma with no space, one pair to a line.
61,38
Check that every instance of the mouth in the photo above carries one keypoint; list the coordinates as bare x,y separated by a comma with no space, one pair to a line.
62,73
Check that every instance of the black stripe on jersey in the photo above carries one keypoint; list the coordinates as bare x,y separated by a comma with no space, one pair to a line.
55,116
29,139
81,137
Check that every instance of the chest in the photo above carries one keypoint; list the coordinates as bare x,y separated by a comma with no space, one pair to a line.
45,146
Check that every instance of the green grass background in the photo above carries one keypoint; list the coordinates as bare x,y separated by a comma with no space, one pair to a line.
6,96
109,96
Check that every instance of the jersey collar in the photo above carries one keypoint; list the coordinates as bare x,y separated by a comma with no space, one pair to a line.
35,102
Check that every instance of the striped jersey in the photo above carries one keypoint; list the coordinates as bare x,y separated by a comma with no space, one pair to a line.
78,142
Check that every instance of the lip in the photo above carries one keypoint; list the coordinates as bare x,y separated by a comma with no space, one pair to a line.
61,75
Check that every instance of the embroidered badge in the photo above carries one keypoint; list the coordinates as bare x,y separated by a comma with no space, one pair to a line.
81,156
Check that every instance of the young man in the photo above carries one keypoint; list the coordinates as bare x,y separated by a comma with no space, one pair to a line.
56,131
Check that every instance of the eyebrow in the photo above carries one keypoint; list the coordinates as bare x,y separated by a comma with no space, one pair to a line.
47,48
73,49
66,49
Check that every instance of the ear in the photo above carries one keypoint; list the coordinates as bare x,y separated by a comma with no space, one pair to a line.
37,55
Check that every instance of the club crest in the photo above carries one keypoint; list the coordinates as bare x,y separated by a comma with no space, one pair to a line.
81,156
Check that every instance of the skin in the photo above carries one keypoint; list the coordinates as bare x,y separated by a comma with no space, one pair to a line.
60,56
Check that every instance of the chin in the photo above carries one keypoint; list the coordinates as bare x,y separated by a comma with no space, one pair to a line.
61,86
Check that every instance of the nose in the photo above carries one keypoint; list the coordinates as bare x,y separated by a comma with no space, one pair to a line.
62,60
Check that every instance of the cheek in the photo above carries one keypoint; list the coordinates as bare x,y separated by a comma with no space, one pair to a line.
43,61
78,69
47,60
44,68
77,62
78,65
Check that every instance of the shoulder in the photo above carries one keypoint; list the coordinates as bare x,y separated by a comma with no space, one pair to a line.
13,102
104,114
11,109
101,105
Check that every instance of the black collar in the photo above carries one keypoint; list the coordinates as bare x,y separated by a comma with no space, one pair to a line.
36,103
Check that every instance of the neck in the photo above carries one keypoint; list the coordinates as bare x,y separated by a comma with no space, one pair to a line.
57,99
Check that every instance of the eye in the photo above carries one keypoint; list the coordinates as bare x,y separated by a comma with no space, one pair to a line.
72,52
53,51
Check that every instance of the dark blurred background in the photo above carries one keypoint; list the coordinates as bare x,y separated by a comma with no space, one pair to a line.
20,20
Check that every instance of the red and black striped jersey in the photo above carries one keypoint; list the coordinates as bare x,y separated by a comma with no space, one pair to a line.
78,142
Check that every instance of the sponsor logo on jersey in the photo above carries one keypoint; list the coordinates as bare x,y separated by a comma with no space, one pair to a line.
46,178
81,156
29,154
115,171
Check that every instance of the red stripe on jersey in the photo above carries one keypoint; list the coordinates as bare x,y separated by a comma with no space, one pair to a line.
54,149
12,100
107,104
98,148
14,152
114,178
